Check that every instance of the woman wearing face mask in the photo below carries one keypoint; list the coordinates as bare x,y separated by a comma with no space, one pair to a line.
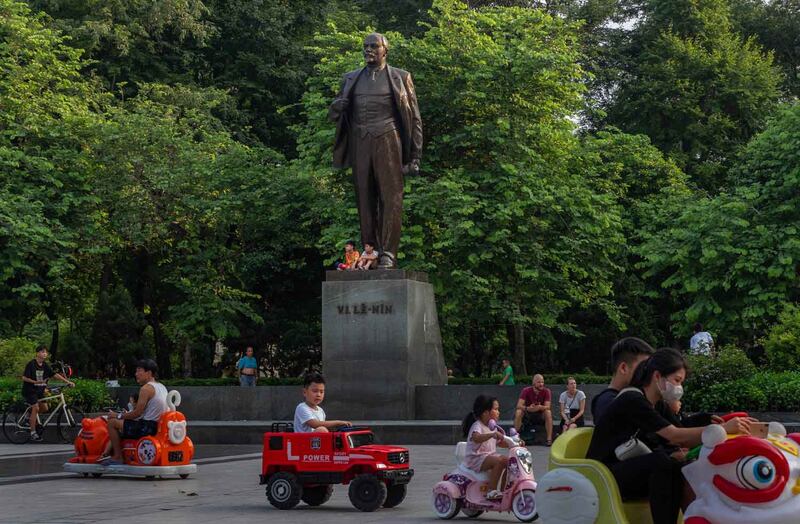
656,475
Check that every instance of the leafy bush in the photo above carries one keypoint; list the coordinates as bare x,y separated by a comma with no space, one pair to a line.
222,381
731,363
14,354
581,378
782,343
763,391
727,396
88,395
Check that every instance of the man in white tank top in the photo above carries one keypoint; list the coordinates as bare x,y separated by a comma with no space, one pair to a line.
143,420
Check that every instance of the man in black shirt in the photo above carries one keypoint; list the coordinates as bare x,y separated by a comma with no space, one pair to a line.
626,354
34,380
629,414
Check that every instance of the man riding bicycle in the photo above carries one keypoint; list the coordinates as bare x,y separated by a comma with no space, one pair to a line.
34,380
140,422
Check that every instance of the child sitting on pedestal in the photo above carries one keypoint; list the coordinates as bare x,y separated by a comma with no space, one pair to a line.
350,257
369,258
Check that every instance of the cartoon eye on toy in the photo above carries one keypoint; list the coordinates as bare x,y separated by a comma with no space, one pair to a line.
761,471
755,472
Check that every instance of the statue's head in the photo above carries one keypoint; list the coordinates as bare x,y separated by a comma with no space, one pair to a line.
375,48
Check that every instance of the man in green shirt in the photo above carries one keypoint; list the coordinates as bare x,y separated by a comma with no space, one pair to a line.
508,373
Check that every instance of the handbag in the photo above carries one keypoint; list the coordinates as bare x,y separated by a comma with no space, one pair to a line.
633,447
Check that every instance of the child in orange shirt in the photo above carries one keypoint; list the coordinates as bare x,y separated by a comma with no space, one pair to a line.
350,257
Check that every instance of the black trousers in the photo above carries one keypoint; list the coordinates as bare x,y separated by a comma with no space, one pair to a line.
655,476
378,179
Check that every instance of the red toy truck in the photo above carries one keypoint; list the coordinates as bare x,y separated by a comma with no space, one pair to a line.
305,466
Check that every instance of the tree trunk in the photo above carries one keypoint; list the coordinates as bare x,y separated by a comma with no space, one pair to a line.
54,340
162,344
516,347
187,360
476,353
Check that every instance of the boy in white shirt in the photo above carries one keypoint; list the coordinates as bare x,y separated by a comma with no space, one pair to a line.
309,416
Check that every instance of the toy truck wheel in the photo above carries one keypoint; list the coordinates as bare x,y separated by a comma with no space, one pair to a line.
317,495
367,493
283,490
395,495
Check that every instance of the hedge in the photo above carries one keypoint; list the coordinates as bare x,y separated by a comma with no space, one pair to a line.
222,381
581,378
762,391
294,381
87,395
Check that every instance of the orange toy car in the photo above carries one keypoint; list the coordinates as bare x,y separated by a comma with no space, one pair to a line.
168,452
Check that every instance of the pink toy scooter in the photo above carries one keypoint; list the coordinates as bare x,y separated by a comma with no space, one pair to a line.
465,490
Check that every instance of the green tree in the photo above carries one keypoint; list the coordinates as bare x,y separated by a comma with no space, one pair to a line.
48,212
695,87
170,192
776,25
731,261
511,234
134,41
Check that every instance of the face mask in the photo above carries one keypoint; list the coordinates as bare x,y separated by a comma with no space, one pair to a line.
671,391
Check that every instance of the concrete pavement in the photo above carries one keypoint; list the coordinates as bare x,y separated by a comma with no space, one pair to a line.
225,488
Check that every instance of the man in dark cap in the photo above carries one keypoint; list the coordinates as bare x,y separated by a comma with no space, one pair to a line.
379,135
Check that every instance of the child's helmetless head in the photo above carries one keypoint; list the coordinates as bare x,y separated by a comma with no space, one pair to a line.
314,388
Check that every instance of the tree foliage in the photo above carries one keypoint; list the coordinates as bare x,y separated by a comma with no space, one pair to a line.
694,86
510,230
731,260
590,169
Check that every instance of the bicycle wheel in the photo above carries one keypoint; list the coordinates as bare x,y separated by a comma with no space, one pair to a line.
70,425
16,424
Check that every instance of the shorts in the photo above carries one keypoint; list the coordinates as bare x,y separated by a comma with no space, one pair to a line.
533,419
139,428
32,397
580,422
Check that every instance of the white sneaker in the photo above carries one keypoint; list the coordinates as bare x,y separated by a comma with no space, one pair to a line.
35,437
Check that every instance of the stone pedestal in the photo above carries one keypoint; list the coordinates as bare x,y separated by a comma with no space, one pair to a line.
380,338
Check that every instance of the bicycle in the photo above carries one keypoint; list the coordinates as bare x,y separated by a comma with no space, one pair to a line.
16,419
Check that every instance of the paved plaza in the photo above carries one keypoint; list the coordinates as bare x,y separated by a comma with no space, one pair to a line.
33,489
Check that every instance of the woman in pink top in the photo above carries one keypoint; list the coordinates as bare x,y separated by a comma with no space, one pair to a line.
482,442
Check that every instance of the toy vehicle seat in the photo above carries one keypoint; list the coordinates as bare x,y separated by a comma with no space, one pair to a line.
461,453
569,451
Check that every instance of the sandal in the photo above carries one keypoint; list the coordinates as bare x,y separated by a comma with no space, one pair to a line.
548,443
494,495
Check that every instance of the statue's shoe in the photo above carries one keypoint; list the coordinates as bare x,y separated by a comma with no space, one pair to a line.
387,261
